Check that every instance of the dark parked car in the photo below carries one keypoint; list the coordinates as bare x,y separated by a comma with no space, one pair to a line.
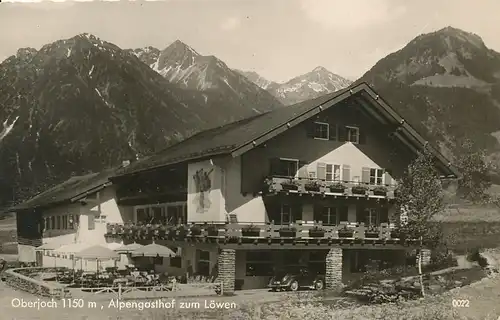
295,278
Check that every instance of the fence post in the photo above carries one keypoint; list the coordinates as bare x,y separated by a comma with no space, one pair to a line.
119,291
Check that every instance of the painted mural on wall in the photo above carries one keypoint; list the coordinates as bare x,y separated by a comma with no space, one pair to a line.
203,186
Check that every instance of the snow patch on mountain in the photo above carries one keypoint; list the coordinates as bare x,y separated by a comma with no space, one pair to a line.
7,128
308,86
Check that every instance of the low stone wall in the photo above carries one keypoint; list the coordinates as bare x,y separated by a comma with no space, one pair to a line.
17,279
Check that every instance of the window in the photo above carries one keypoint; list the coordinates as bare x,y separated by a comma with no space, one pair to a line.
52,222
65,222
293,258
203,265
329,216
332,172
157,214
158,261
143,215
286,214
371,217
352,134
376,176
176,262
317,261
321,130
175,214
259,263
58,222
285,167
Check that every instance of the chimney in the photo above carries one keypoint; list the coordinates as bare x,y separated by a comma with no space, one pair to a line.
125,163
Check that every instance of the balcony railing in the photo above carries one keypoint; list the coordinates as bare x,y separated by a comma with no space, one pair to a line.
257,233
334,188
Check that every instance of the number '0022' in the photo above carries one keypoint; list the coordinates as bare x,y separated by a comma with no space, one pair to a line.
460,303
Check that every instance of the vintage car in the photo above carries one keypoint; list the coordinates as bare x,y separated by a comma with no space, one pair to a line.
293,279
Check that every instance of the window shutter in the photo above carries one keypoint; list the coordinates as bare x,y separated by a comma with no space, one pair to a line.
302,173
387,178
344,214
310,129
365,176
362,136
346,173
333,132
342,133
384,215
274,168
321,171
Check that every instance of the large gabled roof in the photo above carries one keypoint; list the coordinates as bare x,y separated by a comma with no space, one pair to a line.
68,191
239,137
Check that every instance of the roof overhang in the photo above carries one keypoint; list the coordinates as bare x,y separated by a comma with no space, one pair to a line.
67,201
172,162
379,109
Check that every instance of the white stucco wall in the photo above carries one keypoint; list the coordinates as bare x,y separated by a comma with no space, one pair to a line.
250,209
105,210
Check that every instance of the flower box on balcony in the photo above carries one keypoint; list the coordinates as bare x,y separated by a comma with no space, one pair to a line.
195,230
346,233
288,232
316,232
396,234
213,231
121,229
372,232
337,188
182,232
290,185
380,191
250,231
313,186
177,233
359,190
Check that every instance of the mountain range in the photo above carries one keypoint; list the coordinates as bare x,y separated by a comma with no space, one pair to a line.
84,104
308,86
447,84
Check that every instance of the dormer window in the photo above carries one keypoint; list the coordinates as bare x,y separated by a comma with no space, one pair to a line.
352,134
321,130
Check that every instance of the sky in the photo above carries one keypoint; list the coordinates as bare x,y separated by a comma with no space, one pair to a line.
279,39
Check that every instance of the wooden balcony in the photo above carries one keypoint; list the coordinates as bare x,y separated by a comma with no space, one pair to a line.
301,186
304,233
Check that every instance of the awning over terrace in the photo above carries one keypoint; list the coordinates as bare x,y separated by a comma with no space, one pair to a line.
129,248
97,253
154,250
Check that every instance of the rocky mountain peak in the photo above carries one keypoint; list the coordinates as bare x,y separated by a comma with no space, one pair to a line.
320,69
26,52
449,57
180,49
310,85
